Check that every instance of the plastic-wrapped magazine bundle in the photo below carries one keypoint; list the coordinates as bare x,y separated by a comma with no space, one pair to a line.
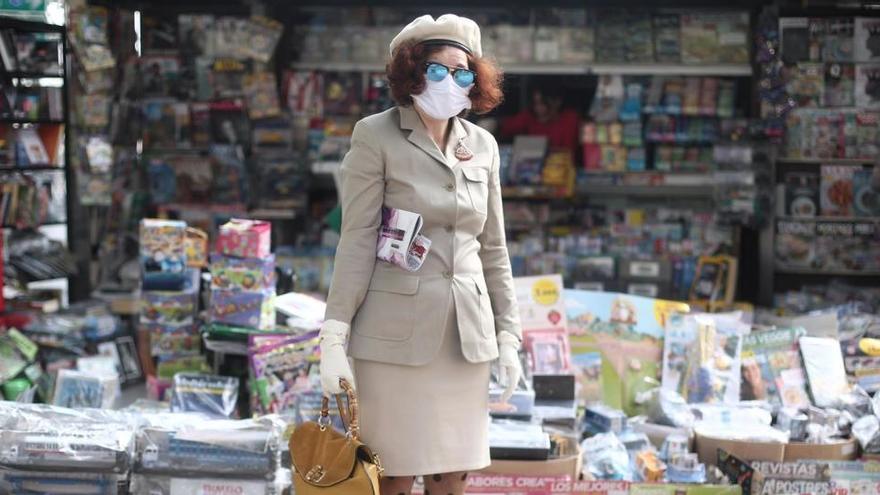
142,484
194,445
48,450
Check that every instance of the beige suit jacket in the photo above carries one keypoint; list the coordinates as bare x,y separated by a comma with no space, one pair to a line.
398,316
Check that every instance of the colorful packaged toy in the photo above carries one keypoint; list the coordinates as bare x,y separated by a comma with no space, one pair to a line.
245,238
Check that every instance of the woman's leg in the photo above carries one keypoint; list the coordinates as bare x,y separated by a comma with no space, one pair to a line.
396,485
446,483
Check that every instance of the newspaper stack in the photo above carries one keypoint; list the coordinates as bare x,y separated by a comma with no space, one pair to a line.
400,242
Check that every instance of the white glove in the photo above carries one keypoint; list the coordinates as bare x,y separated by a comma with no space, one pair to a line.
334,361
509,363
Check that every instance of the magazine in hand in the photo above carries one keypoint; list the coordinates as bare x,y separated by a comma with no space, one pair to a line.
400,242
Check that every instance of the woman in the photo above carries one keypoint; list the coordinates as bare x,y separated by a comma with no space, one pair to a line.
422,341
546,117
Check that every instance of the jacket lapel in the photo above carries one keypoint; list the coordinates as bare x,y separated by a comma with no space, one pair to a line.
410,121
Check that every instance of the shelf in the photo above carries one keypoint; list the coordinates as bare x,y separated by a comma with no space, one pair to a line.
273,213
17,74
840,273
825,161
30,121
47,224
564,69
698,191
31,168
786,218
661,69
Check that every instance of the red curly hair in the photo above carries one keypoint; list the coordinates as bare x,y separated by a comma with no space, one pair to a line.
406,76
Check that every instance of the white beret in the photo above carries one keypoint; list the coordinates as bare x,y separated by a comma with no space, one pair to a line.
448,29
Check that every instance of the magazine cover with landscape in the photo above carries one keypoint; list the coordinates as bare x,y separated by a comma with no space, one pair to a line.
627,333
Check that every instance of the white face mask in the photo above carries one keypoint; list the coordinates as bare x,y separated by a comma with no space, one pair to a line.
443,99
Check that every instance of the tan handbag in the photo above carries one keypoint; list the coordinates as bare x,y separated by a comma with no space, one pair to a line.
327,462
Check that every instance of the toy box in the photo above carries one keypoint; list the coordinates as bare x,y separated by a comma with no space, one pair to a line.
248,309
247,274
162,253
245,238
168,308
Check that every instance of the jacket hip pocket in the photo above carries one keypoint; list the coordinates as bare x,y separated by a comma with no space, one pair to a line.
387,311
477,182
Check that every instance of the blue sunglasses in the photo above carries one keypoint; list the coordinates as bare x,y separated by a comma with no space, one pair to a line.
437,72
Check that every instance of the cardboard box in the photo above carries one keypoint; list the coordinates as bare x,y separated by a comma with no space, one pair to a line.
569,465
245,309
245,238
707,449
247,274
843,450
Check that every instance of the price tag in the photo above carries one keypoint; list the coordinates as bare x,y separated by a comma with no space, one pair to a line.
644,269
646,290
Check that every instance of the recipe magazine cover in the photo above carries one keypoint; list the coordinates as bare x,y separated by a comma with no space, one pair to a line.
772,368
627,331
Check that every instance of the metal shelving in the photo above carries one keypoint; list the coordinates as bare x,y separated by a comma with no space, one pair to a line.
734,70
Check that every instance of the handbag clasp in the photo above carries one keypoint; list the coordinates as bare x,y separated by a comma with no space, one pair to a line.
315,474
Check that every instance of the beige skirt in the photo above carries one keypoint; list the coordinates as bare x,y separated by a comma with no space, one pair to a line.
428,419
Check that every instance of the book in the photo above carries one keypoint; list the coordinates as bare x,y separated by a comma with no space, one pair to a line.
400,242
261,93
866,39
838,42
196,35
263,36
866,192
166,123
836,194
807,85
38,52
801,194
702,356
32,145
227,77
75,389
8,53
229,123
794,39
867,90
208,394
159,33
772,368
823,363
627,331
283,367
840,84
229,184
528,159
160,75
667,38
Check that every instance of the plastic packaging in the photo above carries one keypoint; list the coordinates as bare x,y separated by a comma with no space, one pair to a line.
36,436
667,407
194,445
210,394
53,483
154,484
606,458
867,431
518,440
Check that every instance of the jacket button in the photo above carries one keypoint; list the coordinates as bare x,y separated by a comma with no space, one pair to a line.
447,274
450,187
448,228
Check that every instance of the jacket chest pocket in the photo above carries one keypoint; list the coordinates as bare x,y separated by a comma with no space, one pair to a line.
477,183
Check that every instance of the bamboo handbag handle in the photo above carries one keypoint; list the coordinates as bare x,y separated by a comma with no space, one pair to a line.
350,417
